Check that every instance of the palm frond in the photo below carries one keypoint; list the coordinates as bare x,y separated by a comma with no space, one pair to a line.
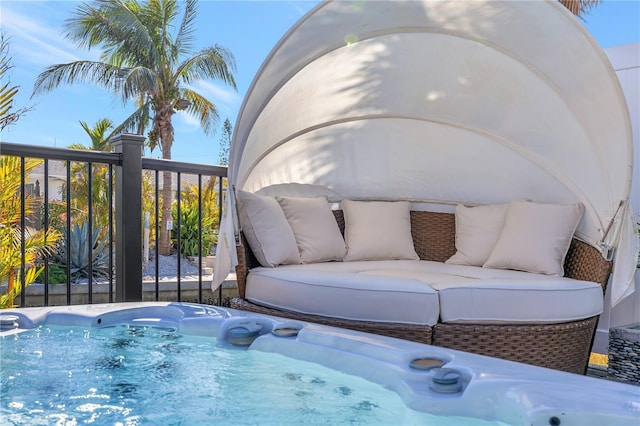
6,98
37,244
158,16
185,37
97,134
137,80
203,109
102,74
116,25
10,187
6,300
214,62
136,122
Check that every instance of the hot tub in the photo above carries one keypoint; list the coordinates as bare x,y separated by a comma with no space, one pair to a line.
161,363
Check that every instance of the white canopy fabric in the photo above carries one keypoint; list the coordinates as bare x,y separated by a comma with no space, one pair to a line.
449,101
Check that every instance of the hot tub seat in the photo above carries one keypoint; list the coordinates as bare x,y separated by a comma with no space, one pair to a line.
537,319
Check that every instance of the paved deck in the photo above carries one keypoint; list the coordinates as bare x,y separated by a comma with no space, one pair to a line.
601,373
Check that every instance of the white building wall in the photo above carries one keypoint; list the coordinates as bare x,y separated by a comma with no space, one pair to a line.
626,62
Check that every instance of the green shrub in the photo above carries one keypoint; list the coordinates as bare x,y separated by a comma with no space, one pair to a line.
57,275
189,230
189,219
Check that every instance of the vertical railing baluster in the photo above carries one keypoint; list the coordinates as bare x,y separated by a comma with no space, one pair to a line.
220,204
110,230
68,236
157,229
22,233
199,238
46,230
178,241
90,231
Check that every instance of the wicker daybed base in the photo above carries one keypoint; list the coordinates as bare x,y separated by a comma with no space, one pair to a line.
565,346
413,332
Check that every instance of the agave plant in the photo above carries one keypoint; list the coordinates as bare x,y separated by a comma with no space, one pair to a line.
76,243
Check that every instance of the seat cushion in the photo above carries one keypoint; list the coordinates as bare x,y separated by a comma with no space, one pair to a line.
405,291
519,301
513,298
346,295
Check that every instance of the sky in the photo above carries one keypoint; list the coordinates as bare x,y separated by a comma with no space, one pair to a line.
249,29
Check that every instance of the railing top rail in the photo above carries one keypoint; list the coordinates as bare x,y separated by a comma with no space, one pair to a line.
35,151
182,167
51,153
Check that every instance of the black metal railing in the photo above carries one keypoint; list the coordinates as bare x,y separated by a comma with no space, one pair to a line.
180,169
123,238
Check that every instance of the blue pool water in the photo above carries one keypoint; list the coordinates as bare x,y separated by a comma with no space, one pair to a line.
132,375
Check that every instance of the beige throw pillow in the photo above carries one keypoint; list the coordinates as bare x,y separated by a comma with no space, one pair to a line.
376,230
315,228
536,237
477,232
266,229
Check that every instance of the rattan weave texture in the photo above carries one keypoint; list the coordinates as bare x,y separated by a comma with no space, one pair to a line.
563,346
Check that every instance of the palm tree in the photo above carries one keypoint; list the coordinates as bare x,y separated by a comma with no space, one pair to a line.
143,61
99,135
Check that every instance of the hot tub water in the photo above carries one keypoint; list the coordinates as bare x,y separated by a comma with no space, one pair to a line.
178,363
130,374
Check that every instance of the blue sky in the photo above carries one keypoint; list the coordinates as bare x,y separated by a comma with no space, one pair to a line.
248,28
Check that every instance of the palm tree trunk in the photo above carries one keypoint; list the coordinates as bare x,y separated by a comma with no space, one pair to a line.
579,7
10,280
166,140
164,241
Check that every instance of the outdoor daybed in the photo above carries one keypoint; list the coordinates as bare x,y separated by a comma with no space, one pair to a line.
528,317
440,108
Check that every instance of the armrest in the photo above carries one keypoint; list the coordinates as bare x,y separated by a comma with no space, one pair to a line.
246,261
585,263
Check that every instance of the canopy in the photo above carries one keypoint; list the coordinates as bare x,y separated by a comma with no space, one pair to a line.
455,102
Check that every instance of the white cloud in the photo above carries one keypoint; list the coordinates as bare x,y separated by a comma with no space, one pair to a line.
39,42
225,99
187,120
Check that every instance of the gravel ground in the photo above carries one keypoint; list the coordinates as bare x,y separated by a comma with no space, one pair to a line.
168,267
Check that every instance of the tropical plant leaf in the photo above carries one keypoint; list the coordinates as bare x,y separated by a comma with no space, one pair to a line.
100,73
76,245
